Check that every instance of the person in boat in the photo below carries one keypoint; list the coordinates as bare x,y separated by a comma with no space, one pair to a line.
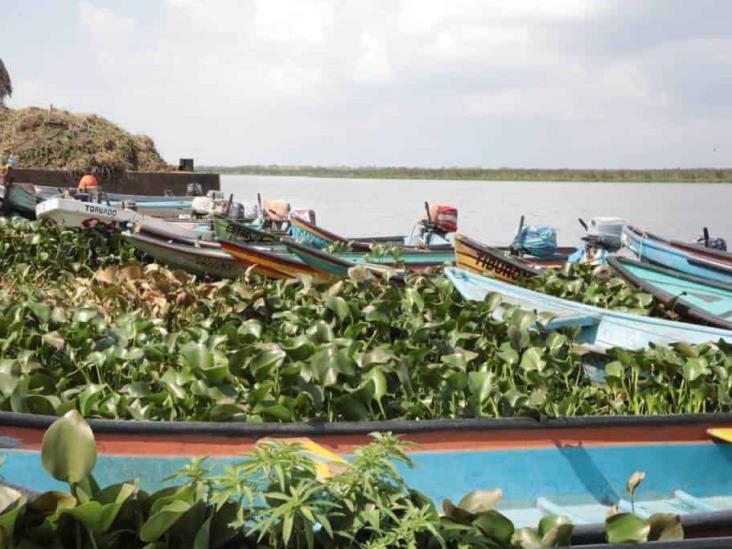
88,183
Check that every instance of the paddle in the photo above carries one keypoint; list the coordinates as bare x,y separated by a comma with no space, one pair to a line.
584,225
706,237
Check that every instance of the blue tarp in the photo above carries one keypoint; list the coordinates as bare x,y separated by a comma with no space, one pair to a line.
540,241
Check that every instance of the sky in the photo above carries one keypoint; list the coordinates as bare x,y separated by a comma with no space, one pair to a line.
489,83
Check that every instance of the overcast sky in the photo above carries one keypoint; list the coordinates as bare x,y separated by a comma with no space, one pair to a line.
522,83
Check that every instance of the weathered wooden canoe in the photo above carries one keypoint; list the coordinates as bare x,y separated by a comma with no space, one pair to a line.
485,260
315,236
271,263
688,259
338,263
693,298
501,263
186,257
601,328
572,466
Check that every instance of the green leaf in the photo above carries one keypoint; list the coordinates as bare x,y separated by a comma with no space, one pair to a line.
479,501
555,530
495,526
339,306
665,527
626,528
48,503
161,521
532,360
481,385
251,329
694,368
69,451
41,311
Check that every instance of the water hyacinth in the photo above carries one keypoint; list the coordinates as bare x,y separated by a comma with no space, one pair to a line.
110,336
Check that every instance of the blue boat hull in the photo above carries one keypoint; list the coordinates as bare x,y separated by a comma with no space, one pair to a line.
655,250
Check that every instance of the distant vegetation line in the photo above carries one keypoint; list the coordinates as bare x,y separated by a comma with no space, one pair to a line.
692,175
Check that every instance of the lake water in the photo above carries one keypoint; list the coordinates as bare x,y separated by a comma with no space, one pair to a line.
490,210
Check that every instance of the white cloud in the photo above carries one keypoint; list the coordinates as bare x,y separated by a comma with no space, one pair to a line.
373,63
103,21
375,81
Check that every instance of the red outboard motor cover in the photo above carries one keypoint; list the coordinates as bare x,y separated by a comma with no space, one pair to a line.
444,217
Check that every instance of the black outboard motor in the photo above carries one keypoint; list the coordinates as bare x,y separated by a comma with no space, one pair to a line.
713,242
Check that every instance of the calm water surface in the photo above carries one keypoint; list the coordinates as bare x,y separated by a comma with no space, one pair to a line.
490,210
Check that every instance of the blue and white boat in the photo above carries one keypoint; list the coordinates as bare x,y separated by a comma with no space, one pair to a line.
696,261
600,328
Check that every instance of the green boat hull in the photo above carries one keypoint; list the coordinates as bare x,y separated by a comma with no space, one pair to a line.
693,298
338,263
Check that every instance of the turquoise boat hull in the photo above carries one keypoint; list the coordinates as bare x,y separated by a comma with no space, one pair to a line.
693,298
601,328
662,252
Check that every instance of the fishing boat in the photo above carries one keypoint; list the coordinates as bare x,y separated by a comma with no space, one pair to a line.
22,198
693,298
503,264
599,328
86,215
479,258
575,467
684,258
317,237
230,229
338,263
187,257
270,263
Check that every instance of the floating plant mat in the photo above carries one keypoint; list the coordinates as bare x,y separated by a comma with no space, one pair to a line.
87,325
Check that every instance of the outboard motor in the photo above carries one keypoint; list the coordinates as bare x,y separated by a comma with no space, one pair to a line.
306,214
194,189
605,232
440,218
711,241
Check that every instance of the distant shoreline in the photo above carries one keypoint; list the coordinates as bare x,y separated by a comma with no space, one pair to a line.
691,175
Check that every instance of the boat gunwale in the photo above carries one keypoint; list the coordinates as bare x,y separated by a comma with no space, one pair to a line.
212,428
677,304
497,253
297,248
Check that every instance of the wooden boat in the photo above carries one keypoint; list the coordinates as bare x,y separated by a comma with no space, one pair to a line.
315,236
21,199
600,328
86,215
229,229
481,259
270,263
693,298
338,263
500,263
187,257
575,467
684,258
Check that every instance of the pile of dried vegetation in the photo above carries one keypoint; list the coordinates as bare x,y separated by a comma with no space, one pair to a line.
57,139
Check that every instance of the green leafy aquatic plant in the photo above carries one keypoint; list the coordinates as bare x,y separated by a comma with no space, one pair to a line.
109,337
595,286
272,499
